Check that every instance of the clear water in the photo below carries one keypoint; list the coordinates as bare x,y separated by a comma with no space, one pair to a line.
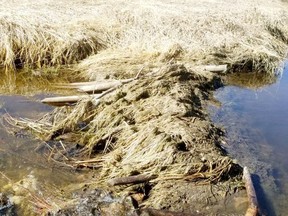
21,163
254,114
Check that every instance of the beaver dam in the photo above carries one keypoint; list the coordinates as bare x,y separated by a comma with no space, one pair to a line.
131,123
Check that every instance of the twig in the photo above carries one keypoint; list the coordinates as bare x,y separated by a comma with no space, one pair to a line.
6,177
62,145
139,72
131,179
89,161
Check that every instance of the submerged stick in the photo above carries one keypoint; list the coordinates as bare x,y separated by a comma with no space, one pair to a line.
66,100
131,179
253,209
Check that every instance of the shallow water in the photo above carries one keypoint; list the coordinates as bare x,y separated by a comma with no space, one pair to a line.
255,118
20,163
23,169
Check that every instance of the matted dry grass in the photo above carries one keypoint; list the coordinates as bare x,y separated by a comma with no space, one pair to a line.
154,125
246,35
45,33
250,35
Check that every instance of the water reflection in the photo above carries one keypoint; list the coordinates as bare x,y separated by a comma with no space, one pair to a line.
255,115
30,82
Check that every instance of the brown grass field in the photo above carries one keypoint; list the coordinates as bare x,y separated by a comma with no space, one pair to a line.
243,34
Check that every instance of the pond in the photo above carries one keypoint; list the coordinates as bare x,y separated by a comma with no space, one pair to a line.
254,116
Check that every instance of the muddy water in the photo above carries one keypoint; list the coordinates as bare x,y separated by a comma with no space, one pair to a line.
23,170
254,114
32,182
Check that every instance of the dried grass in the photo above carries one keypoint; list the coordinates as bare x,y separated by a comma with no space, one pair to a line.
246,35
45,33
146,126
250,35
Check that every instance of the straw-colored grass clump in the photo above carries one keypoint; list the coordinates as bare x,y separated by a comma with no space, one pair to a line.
147,126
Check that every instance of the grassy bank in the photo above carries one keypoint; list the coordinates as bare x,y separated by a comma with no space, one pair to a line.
45,33
246,35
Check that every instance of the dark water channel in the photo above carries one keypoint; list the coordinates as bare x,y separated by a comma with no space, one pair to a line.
254,114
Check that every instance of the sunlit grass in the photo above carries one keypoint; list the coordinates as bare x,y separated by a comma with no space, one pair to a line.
250,35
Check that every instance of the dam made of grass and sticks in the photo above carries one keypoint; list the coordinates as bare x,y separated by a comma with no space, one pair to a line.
143,107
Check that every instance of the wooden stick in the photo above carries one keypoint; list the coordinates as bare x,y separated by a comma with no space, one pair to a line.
93,160
100,87
96,83
70,100
131,179
216,68
66,100
156,212
76,84
253,209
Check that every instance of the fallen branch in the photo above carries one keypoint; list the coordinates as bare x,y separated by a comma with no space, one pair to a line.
253,209
98,87
156,212
131,179
216,68
89,87
71,100
67,100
